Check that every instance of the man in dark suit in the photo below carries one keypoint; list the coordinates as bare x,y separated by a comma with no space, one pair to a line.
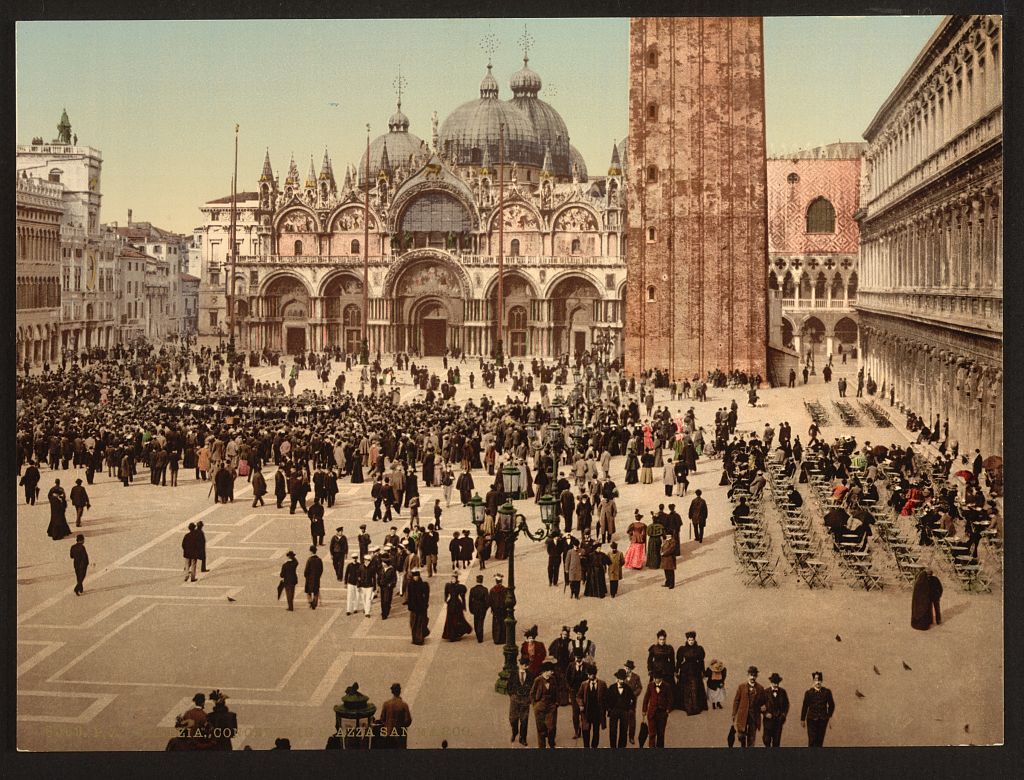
746,708
386,581
81,562
774,710
698,514
619,703
289,579
519,686
339,552
544,696
590,699
478,605
656,707
575,675
817,709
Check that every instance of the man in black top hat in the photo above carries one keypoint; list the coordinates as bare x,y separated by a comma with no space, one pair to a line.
817,709
289,579
478,605
633,681
620,701
774,711
590,698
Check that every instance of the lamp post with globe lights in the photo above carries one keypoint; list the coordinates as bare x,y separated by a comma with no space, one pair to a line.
509,525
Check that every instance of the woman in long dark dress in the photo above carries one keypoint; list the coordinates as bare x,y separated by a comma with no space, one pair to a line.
690,668
357,467
596,563
58,527
455,624
921,603
654,534
632,464
465,487
418,603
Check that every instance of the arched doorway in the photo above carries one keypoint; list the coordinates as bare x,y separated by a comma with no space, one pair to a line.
343,306
573,317
787,333
286,305
431,320
812,338
846,334
519,294
429,297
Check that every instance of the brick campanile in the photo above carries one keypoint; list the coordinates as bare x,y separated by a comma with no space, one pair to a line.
697,200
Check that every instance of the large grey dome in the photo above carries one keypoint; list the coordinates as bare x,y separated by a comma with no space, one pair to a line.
547,122
402,147
470,134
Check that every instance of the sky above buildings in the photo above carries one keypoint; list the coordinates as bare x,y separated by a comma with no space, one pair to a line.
160,99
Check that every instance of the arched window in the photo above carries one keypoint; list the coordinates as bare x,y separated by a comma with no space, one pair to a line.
514,248
821,217
652,174
298,248
55,174
351,316
652,112
576,247
651,235
650,294
793,179
476,156
354,246
652,58
517,318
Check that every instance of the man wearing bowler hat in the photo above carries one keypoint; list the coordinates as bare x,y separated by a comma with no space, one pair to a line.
544,695
746,708
633,681
817,710
620,701
774,711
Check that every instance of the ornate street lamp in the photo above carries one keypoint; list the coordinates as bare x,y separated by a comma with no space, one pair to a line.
575,375
512,482
357,708
508,526
477,511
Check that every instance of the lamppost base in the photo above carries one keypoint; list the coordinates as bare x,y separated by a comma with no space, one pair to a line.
364,353
499,355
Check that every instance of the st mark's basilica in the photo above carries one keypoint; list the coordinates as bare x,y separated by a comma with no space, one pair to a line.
434,233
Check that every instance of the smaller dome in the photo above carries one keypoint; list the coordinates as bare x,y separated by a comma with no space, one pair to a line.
525,81
488,84
398,122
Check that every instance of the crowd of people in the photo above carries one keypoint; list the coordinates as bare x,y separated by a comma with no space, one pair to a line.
202,411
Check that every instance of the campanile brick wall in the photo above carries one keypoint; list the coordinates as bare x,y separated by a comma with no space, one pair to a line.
707,259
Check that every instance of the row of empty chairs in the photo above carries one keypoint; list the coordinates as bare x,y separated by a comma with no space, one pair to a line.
800,545
752,544
846,413
817,413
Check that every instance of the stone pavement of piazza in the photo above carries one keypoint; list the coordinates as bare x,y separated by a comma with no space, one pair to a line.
111,669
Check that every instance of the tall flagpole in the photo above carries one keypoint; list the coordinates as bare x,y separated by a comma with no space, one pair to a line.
234,253
499,356
364,347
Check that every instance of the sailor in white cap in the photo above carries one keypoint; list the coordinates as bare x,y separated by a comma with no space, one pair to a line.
353,573
368,579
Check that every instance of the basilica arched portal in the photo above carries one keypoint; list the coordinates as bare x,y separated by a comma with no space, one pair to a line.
427,295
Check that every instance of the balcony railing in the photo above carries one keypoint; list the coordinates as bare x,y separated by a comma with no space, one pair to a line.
800,304
467,260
